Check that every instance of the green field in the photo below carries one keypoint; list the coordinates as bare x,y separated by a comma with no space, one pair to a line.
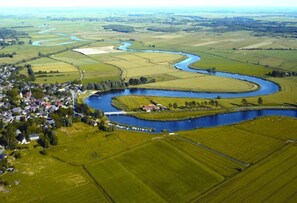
100,145
93,70
272,180
66,72
240,144
154,165
220,164
43,179
88,165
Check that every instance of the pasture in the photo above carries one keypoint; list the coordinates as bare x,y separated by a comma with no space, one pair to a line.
40,178
92,144
240,144
154,165
159,67
272,180
131,166
54,71
92,69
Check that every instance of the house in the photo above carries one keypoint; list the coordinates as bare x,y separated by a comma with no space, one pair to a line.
24,141
150,107
34,136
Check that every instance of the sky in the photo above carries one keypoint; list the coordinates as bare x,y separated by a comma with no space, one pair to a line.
148,3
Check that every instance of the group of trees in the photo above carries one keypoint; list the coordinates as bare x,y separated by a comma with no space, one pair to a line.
141,80
244,23
30,72
49,137
194,104
163,29
244,102
104,85
277,73
45,72
10,138
119,28
62,117
12,35
106,127
3,55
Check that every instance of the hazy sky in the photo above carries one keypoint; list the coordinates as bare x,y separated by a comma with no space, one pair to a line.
147,3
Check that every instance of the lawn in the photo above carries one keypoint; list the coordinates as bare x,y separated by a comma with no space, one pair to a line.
166,173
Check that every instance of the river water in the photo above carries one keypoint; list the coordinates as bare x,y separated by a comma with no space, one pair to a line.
103,100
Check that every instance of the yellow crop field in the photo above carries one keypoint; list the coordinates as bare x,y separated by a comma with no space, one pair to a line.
205,83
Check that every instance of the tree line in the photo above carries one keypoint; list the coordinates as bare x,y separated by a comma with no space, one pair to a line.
277,73
119,28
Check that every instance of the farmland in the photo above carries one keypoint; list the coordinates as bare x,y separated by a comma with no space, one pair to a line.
252,161
93,70
52,71
182,169
130,165
271,180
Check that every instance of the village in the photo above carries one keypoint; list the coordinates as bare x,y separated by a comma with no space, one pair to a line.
22,101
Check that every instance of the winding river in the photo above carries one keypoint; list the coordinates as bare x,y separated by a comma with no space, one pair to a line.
103,101
266,87
66,38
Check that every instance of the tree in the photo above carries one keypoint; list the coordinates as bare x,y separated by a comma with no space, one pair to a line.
175,105
260,101
244,102
98,113
54,140
37,93
12,94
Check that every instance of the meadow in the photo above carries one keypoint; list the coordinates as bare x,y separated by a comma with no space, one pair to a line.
153,166
273,179
88,165
242,145
93,70
54,71
43,178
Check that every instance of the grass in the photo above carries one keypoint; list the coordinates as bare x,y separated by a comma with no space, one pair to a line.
143,64
42,178
133,166
277,128
240,144
271,180
201,83
176,115
99,145
219,164
120,184
159,67
216,59
67,72
93,70
155,165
